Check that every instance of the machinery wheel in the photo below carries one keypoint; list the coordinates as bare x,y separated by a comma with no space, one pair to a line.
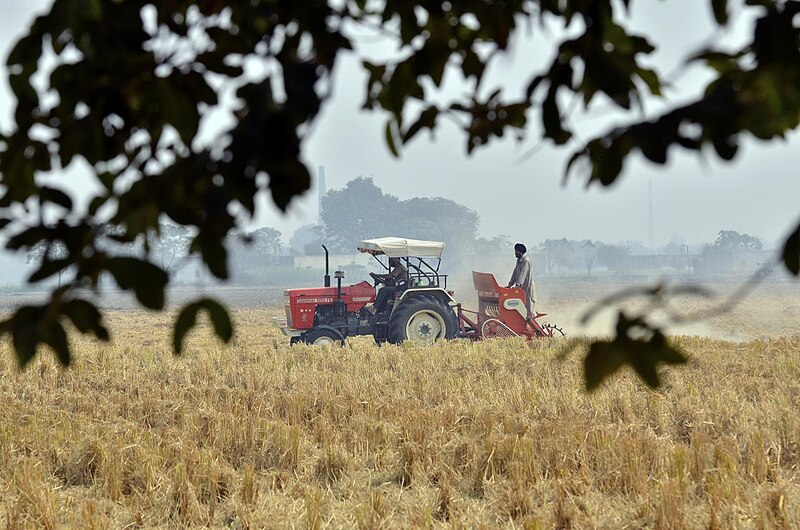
326,338
422,319
494,328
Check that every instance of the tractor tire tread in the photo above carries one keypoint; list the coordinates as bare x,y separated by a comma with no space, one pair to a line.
399,319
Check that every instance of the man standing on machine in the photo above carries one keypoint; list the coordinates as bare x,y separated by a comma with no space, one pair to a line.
522,277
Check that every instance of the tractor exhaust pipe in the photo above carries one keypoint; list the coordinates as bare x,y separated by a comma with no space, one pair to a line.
327,277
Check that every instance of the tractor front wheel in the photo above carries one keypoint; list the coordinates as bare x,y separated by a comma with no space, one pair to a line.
326,338
422,319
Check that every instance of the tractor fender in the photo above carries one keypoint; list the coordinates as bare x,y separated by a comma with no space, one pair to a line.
329,328
438,292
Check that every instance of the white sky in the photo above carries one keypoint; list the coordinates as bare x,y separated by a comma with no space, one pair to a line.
693,197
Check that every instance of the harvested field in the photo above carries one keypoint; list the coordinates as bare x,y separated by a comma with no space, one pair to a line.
495,434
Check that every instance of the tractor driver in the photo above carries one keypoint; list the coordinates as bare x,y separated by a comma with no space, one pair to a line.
397,276
523,277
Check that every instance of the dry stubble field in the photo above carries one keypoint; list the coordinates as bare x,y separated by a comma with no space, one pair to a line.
496,434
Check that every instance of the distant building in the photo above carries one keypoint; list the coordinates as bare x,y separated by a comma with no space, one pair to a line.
738,262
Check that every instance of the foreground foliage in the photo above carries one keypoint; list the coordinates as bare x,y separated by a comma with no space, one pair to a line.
494,434
123,87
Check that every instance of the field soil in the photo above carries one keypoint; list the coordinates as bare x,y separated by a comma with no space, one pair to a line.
498,434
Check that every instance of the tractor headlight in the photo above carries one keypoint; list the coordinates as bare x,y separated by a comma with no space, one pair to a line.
289,316
287,305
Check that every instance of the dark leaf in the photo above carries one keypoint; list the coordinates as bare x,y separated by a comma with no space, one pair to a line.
645,367
25,343
602,361
29,237
220,319
472,66
719,61
551,119
720,8
725,146
215,62
55,337
636,343
426,120
533,85
86,318
653,145
214,254
791,252
292,179
607,165
95,204
55,196
24,329
187,319
49,268
24,335
23,89
145,279
650,79
26,52
390,138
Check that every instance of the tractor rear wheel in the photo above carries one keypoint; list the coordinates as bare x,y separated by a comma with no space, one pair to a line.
326,338
422,319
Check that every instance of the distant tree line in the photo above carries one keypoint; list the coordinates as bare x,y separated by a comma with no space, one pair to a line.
361,210
562,255
170,249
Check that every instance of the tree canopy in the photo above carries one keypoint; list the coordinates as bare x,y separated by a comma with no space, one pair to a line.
126,84
728,240
361,210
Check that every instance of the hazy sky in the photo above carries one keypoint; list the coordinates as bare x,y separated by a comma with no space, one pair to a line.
693,197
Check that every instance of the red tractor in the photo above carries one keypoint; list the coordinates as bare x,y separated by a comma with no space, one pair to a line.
413,303
419,308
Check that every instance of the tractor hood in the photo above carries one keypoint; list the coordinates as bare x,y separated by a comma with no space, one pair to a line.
400,247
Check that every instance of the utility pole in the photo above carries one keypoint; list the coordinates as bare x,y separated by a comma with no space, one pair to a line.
321,191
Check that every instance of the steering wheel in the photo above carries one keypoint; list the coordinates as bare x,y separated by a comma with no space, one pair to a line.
377,280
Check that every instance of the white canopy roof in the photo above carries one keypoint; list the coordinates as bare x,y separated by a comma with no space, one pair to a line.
400,247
